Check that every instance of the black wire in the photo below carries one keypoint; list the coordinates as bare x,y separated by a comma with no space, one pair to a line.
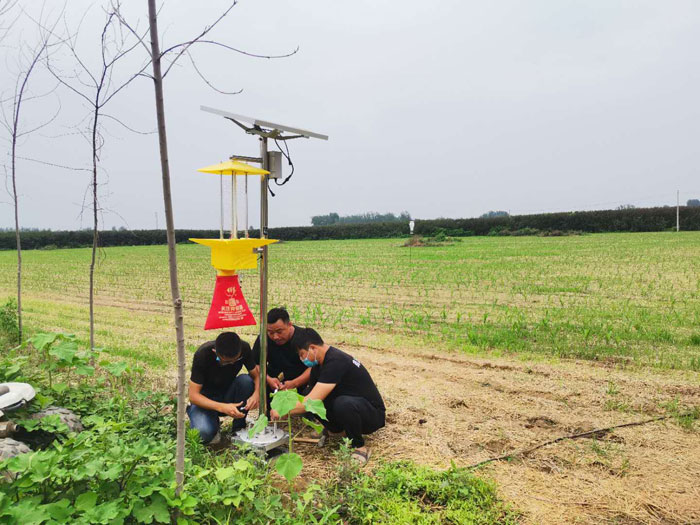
287,156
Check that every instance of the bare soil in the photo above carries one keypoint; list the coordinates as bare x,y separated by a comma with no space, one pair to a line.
444,408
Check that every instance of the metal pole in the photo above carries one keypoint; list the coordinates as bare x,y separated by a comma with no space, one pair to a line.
234,206
263,280
678,210
246,206
221,206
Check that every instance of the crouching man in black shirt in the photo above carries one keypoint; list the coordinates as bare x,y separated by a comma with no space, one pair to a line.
282,357
217,390
353,403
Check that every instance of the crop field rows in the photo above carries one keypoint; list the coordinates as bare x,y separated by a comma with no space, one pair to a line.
629,298
626,303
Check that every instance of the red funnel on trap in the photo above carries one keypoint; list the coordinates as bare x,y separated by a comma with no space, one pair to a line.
228,307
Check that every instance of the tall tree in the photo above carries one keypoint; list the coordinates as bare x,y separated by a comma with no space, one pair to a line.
28,59
96,86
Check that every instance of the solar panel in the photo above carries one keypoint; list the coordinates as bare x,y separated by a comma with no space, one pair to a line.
264,123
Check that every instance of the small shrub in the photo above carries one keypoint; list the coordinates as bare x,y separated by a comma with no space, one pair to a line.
9,325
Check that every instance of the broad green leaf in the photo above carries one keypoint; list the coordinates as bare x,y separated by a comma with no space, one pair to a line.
20,463
60,510
41,341
11,371
258,427
242,464
233,500
65,351
116,369
316,406
289,465
285,400
156,510
85,370
160,509
318,427
43,400
103,513
29,511
60,387
224,473
85,501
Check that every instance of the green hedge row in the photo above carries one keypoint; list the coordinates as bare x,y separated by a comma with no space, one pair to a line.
634,220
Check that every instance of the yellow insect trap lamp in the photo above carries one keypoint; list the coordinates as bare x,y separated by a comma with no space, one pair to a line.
229,307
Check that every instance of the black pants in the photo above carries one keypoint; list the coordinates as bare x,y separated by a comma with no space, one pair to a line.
354,415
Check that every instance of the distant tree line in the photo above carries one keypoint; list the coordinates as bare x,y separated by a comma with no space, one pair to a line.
490,214
627,220
361,218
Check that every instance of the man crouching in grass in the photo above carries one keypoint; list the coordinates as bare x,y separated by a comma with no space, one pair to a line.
353,403
217,390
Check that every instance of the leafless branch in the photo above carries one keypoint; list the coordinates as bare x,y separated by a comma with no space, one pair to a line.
194,66
183,47
53,164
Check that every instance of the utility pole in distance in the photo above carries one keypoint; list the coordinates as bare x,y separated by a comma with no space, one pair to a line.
678,210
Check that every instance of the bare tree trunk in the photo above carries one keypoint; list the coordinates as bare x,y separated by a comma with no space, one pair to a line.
17,235
172,255
94,226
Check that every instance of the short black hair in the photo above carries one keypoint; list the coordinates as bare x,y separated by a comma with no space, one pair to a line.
276,314
304,338
228,344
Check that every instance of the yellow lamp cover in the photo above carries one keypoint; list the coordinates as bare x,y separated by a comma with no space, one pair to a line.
233,167
234,254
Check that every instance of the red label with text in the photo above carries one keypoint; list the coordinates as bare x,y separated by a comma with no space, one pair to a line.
228,307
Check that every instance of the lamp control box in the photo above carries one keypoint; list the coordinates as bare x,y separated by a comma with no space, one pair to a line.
274,164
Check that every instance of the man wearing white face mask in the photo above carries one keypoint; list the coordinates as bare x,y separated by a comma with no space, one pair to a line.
353,403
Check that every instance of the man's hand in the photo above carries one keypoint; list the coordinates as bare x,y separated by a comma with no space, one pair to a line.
288,385
231,409
274,383
274,415
253,402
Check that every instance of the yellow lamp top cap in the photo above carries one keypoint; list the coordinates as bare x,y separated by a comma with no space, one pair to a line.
233,167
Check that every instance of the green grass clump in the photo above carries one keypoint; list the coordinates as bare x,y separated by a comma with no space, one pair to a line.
403,492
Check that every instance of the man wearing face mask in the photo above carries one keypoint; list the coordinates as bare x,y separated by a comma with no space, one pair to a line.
217,390
285,370
353,403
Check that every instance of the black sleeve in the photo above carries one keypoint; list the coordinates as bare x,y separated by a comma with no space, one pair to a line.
248,359
256,350
333,371
198,374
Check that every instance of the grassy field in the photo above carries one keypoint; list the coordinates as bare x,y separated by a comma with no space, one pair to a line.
627,298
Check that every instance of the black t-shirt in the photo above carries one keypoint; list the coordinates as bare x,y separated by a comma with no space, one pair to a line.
214,376
283,358
348,375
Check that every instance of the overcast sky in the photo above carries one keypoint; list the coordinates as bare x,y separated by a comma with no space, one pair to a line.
448,108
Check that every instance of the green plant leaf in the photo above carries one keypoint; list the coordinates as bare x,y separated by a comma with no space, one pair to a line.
224,473
316,406
242,464
156,510
318,427
116,369
60,510
65,352
41,341
85,501
85,370
285,400
289,465
60,387
258,427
